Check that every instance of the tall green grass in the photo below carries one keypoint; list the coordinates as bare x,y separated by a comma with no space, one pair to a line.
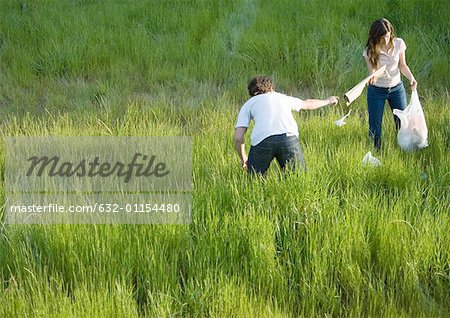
339,240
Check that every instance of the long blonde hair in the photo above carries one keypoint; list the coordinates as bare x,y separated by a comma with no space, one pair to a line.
377,30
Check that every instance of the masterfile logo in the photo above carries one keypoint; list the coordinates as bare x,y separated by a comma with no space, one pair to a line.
93,164
102,180
140,166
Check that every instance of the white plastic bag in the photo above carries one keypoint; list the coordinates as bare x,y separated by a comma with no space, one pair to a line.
413,133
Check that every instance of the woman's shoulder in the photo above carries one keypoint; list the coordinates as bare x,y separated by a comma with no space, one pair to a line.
400,44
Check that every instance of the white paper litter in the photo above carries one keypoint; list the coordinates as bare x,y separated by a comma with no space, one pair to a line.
370,160
356,91
341,122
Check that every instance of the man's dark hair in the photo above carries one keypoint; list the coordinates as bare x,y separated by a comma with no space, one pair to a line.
260,85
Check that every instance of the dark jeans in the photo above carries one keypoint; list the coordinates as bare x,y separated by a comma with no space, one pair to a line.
376,97
285,149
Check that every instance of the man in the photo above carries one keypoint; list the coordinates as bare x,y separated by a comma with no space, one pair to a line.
275,133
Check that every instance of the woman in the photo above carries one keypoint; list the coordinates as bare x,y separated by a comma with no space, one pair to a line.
275,133
383,48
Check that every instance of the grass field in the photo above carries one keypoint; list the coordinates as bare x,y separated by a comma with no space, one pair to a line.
339,240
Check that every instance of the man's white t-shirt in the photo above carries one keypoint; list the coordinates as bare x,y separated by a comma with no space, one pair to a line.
272,114
391,60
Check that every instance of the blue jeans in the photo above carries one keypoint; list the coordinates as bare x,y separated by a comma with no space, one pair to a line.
285,149
376,97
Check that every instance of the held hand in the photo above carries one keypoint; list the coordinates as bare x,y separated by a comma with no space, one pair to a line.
372,81
413,84
333,100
